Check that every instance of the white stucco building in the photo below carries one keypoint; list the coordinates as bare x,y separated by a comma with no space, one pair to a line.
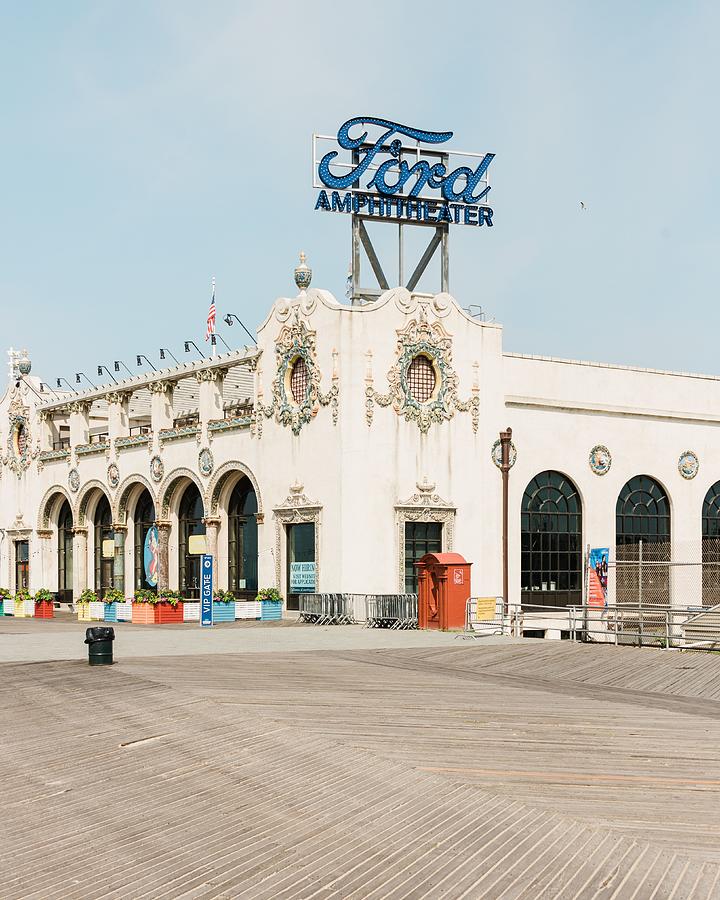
353,439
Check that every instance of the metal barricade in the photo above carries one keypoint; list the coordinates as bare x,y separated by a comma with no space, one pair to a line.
327,609
395,611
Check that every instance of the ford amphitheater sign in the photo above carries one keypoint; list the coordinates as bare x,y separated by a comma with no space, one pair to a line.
385,170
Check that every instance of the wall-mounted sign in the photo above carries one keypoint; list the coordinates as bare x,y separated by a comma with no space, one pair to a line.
197,544
108,548
206,580
383,178
302,577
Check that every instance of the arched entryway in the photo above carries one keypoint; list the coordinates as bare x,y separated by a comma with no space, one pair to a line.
551,563
104,547
145,543
642,542
190,525
243,540
711,546
65,553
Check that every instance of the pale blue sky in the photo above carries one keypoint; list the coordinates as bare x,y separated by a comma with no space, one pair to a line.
147,146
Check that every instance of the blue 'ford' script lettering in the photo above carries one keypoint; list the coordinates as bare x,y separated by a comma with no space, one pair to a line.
392,175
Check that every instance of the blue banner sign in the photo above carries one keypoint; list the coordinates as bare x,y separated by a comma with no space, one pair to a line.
206,578
385,178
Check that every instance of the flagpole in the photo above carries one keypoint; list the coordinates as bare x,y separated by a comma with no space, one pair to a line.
212,339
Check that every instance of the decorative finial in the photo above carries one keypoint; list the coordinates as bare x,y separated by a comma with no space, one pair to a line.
24,365
303,273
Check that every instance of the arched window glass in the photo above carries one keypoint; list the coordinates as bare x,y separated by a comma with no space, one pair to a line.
551,542
242,540
144,521
421,378
711,547
104,547
191,523
299,380
642,542
65,553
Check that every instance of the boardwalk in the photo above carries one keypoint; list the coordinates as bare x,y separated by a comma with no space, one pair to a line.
440,769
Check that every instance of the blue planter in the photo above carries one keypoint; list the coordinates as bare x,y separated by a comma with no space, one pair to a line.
271,611
110,612
223,612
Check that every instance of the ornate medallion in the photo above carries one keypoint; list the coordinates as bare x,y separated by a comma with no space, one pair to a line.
206,463
688,464
74,480
600,459
113,475
496,454
157,468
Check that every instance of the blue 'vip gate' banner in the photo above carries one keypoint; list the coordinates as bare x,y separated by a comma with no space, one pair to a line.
206,577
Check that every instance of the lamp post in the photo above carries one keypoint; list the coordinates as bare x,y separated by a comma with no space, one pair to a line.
214,337
118,363
100,370
187,348
140,357
164,350
77,380
70,387
505,440
228,320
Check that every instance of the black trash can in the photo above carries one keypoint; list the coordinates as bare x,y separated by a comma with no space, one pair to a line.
100,648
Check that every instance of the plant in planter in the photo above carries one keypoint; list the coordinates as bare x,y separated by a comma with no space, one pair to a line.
5,599
223,606
24,604
44,604
168,607
143,607
271,603
111,599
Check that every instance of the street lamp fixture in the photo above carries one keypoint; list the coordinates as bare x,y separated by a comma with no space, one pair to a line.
228,320
187,348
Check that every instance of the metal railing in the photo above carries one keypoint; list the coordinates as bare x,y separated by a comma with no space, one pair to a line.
688,628
62,444
327,609
396,611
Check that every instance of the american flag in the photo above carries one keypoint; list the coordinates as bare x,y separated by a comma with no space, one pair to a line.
211,315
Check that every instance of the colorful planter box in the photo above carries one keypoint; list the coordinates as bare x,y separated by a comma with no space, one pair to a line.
223,612
247,609
97,611
271,610
24,609
110,612
166,614
191,612
143,614
19,609
83,612
44,609
124,611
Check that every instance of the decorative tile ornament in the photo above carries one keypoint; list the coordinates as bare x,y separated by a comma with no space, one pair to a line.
113,475
303,274
157,468
206,463
294,343
600,459
496,454
688,464
18,442
74,480
420,338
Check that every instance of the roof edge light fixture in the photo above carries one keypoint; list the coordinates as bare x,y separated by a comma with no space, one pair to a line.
116,365
78,375
100,370
228,320
214,337
164,350
139,357
70,387
187,348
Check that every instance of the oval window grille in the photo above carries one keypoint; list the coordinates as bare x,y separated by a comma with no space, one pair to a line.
421,379
299,380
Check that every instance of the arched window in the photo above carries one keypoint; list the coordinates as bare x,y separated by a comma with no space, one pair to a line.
642,542
711,546
551,542
104,547
191,523
65,553
299,380
144,521
242,540
421,378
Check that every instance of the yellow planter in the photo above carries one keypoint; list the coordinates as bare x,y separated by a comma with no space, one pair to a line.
83,611
19,609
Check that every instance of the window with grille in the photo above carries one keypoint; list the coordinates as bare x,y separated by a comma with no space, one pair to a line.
711,547
420,538
421,379
642,539
551,541
299,380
